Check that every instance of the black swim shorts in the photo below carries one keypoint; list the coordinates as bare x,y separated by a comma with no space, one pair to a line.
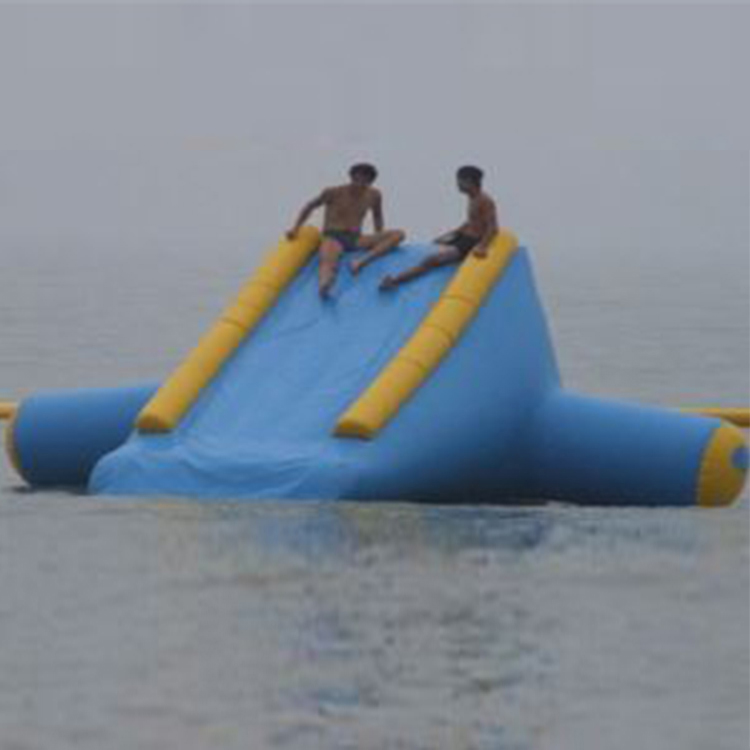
464,243
349,240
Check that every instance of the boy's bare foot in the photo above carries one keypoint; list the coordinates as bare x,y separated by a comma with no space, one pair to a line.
388,282
325,291
356,266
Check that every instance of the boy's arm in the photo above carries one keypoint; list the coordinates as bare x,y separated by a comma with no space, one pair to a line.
490,217
307,209
377,213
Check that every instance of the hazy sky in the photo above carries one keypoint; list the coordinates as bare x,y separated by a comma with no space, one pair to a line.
608,125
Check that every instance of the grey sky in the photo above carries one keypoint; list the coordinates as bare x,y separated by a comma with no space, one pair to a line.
611,125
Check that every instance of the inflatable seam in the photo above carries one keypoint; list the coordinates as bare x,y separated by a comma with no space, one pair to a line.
11,450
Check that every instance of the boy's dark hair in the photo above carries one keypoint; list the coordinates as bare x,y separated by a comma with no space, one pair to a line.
365,170
471,174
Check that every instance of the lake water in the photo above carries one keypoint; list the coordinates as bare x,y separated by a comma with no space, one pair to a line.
175,624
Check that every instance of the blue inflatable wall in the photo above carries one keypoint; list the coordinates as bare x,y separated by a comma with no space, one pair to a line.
56,438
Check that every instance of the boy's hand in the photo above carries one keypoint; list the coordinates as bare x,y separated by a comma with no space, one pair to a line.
292,234
480,252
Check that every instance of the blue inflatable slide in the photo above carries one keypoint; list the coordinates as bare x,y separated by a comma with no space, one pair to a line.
444,390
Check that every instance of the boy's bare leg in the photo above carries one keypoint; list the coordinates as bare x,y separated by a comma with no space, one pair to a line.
328,265
443,257
377,245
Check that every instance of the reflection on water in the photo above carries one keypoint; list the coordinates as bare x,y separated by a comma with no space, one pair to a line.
330,625
367,626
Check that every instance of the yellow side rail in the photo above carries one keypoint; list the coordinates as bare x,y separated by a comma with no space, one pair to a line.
437,334
7,409
178,393
736,415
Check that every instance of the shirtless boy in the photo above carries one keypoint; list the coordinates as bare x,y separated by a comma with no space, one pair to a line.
473,236
345,209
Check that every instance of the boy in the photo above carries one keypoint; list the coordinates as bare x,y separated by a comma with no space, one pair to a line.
474,235
345,209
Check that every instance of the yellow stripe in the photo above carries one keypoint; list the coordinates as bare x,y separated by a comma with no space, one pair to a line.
180,391
736,415
437,334
721,477
7,409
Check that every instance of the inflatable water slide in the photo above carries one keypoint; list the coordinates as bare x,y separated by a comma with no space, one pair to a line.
444,390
